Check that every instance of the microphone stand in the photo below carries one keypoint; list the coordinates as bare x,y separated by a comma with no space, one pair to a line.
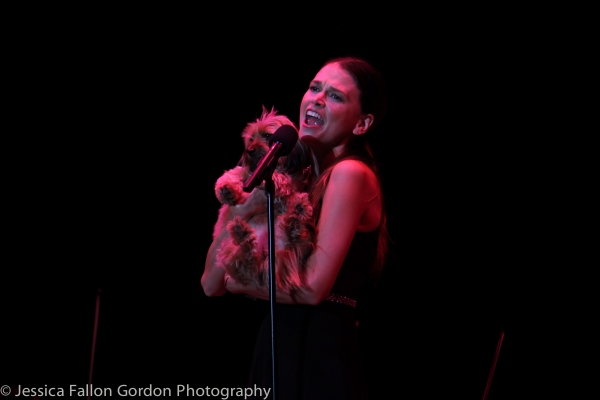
491,375
270,192
94,337
264,171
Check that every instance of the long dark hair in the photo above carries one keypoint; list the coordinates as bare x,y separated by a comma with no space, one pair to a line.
373,100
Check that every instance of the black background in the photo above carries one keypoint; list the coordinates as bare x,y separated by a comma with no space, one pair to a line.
121,128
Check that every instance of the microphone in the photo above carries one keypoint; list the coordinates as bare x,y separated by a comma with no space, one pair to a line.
282,142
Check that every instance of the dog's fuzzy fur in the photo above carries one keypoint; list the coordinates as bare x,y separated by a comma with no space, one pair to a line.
244,252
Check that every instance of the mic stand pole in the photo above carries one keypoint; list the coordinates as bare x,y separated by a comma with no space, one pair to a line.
270,192
94,337
489,382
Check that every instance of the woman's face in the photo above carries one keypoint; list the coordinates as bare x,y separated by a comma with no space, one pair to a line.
330,109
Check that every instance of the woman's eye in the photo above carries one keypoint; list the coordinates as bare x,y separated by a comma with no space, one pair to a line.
335,96
267,136
313,88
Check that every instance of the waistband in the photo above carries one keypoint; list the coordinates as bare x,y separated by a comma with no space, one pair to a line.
347,301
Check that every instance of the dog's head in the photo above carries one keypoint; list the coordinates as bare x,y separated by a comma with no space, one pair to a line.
256,134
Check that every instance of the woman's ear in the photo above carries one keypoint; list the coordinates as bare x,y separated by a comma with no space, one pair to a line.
363,125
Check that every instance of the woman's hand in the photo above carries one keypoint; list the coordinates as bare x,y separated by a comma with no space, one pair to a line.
255,203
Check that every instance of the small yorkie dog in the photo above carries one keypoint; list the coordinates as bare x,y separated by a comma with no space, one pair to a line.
244,253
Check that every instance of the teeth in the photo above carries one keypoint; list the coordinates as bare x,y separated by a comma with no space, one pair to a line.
313,114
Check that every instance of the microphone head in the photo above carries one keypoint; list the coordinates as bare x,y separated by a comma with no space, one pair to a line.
287,135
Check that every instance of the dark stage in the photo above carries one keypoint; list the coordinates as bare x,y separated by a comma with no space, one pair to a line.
110,186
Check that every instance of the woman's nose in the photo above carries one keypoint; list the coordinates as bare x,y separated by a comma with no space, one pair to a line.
320,98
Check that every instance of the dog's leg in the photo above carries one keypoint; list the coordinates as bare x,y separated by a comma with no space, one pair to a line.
287,270
229,188
297,232
238,253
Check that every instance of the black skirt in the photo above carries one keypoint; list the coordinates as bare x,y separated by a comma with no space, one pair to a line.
317,354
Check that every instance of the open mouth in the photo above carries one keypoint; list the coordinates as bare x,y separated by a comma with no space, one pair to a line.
313,119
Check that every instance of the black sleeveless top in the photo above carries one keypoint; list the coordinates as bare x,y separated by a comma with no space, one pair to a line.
354,274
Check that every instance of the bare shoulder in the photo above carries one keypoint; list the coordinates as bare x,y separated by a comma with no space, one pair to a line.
353,169
357,187
354,179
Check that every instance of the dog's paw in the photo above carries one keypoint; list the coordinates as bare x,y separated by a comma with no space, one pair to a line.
230,195
299,207
242,234
229,188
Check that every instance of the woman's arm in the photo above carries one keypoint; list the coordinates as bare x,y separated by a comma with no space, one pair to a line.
212,277
347,199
